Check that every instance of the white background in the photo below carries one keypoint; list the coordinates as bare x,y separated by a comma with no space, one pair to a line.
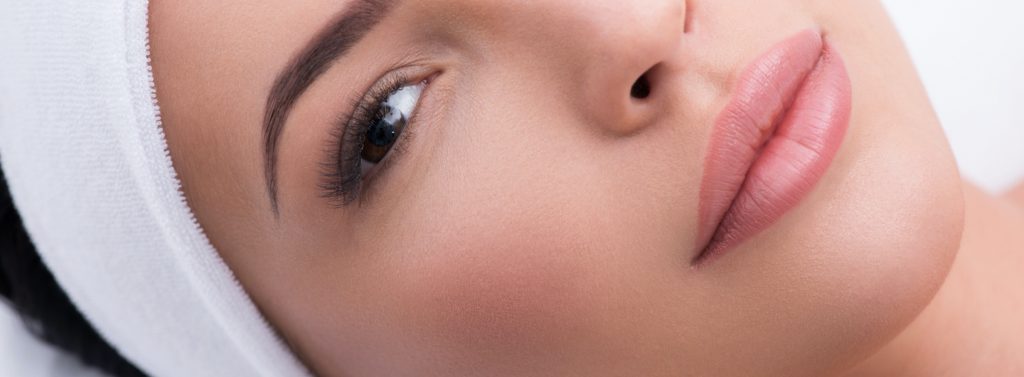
968,52
971,58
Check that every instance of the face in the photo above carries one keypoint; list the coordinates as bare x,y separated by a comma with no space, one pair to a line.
526,210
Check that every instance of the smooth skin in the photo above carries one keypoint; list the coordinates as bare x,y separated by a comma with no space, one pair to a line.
541,222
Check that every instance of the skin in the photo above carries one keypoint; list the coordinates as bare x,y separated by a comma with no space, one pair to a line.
1016,196
541,222
971,326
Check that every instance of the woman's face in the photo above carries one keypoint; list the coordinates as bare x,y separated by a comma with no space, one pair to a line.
533,217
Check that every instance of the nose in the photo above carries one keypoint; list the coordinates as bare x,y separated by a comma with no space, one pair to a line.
600,56
620,76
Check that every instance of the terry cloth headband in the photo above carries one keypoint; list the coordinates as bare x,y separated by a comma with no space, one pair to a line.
88,168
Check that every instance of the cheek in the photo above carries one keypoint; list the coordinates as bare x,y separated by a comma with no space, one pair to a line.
503,294
532,286
503,290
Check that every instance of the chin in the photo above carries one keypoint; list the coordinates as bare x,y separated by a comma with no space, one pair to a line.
858,260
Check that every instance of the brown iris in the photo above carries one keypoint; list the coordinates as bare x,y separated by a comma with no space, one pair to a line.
381,136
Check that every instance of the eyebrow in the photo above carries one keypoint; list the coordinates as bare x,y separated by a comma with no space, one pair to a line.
332,43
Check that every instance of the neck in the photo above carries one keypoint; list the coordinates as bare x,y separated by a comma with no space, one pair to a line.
973,326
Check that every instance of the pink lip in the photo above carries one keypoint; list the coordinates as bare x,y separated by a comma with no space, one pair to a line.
774,140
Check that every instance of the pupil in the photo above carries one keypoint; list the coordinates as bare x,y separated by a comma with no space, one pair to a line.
382,133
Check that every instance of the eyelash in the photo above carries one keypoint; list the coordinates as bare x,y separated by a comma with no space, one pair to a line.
343,181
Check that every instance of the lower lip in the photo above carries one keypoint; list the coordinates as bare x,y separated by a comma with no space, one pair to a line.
773,142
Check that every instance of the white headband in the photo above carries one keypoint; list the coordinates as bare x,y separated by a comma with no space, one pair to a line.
87,165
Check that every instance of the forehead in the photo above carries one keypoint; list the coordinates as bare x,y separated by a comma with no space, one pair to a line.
214,63
228,52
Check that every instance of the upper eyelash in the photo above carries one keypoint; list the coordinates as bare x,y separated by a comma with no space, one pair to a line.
341,176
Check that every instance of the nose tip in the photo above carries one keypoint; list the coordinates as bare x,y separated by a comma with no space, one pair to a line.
643,36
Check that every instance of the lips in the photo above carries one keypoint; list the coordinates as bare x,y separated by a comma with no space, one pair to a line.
773,142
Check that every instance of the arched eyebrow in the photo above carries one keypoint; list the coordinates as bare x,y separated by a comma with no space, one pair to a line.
330,44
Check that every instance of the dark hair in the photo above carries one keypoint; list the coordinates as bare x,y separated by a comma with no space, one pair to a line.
46,310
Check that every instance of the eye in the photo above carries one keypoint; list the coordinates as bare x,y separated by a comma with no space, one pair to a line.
386,126
367,142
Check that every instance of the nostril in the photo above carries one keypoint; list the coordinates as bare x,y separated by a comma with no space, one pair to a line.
641,88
